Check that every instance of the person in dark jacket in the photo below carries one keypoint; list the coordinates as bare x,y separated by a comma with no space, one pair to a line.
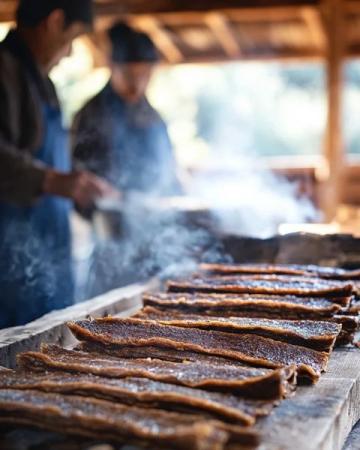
37,185
118,134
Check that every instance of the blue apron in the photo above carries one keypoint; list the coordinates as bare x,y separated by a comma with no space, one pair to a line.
35,243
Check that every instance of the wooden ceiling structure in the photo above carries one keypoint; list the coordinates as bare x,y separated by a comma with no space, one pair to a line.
250,30
219,30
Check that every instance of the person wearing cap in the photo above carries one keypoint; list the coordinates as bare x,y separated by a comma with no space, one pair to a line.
37,185
118,134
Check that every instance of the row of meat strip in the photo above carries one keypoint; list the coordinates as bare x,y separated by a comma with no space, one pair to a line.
197,367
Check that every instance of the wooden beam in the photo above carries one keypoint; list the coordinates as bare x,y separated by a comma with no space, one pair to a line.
335,25
279,57
160,36
315,25
169,6
264,14
352,7
7,10
260,14
221,27
98,48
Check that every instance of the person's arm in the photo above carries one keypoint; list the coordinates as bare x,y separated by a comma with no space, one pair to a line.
23,179
89,143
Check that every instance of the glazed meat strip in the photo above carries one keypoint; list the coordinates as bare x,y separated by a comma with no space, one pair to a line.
282,269
265,284
350,325
245,304
274,390
239,379
313,334
97,418
142,392
248,348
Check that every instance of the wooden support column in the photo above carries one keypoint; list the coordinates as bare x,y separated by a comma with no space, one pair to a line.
334,21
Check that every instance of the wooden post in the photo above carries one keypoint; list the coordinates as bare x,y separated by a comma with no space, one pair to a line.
334,20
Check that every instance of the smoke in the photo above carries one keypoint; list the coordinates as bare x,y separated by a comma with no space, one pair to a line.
245,196
154,241
239,194
249,200
235,194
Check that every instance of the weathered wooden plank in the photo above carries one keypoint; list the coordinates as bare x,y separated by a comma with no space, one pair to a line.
52,328
318,417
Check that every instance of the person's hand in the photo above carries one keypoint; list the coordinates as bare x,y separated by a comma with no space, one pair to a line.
84,188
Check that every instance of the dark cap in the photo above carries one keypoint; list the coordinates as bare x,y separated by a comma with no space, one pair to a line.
32,12
129,45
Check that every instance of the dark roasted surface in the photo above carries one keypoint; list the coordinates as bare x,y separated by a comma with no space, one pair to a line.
92,417
263,383
201,353
248,348
319,335
245,305
142,392
333,273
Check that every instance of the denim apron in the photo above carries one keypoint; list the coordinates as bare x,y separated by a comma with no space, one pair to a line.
35,242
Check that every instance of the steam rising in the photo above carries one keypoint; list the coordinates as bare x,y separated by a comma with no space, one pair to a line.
250,200
239,196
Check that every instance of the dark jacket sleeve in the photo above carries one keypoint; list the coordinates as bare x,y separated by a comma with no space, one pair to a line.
21,177
89,146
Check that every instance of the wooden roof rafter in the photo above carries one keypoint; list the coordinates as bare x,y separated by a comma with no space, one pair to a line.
161,37
239,29
178,6
221,28
314,22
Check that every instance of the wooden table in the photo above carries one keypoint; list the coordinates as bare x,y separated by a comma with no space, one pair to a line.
52,328
318,417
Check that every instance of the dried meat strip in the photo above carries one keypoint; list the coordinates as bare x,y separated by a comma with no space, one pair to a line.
265,284
247,348
319,335
349,323
282,269
239,379
141,392
345,338
245,304
92,417
254,306
288,374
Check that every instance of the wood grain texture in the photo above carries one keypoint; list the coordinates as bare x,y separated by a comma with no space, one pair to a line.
317,417
52,328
